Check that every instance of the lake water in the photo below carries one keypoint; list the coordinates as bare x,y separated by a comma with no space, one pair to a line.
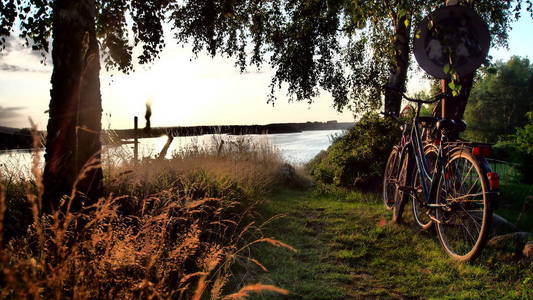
296,148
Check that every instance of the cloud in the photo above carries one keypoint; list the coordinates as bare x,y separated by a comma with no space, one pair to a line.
14,68
10,112
15,49
12,44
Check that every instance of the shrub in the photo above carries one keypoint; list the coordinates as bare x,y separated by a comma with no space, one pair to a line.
320,168
524,136
357,159
519,150
169,229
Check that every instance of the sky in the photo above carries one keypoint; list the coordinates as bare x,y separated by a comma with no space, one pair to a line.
184,90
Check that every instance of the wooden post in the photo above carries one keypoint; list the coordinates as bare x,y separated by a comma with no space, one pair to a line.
444,106
135,139
444,82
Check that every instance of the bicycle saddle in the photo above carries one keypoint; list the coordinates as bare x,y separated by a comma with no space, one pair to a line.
451,125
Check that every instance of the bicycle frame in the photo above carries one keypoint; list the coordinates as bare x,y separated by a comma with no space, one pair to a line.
433,176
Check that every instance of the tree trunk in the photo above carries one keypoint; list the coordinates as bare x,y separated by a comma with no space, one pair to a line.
398,77
74,124
455,107
459,102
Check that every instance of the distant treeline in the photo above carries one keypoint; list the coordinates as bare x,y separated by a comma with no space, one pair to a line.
14,138
232,129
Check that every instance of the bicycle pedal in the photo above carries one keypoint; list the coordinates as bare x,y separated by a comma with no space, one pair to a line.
435,219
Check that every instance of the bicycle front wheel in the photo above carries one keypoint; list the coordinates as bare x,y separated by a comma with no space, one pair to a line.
465,215
390,179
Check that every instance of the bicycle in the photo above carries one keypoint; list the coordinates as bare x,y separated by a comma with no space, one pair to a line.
448,180
392,166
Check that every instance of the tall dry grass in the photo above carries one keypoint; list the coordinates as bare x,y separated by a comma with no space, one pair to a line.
166,229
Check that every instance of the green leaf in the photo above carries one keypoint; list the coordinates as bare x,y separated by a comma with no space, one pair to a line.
406,22
401,13
446,69
417,34
451,85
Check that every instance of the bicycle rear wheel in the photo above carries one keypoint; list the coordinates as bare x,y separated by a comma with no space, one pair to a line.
420,211
390,179
465,217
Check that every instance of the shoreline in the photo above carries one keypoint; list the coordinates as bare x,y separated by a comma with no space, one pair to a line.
19,139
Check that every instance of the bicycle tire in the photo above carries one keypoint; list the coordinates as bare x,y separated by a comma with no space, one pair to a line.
404,180
390,179
421,213
463,225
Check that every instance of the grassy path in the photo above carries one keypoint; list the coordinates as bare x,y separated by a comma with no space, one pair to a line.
347,249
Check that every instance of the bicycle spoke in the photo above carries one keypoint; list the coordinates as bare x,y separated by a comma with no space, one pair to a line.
465,229
466,176
463,198
470,190
473,219
473,238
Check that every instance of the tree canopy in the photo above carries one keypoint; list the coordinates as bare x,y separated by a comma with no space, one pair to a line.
500,100
343,47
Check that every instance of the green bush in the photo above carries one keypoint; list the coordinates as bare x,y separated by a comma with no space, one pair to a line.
516,204
319,168
507,151
357,159
519,150
524,135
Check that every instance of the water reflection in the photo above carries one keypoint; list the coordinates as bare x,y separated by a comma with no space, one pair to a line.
296,148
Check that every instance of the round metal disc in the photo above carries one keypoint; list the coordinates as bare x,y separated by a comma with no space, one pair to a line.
451,38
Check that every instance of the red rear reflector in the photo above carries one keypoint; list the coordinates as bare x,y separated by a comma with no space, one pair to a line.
494,180
482,151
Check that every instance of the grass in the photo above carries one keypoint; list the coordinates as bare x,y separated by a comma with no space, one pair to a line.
173,228
207,223
347,249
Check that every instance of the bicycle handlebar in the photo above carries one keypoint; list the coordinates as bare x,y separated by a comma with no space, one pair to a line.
433,99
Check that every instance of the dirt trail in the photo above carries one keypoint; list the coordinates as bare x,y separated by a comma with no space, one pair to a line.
347,249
